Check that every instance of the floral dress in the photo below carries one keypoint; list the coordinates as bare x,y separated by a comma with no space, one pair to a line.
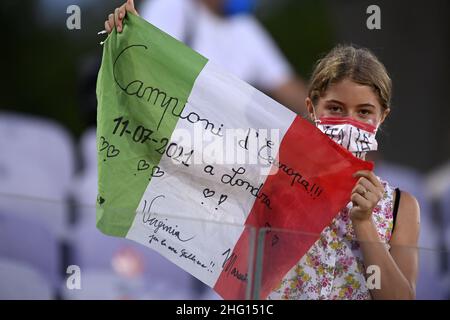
333,267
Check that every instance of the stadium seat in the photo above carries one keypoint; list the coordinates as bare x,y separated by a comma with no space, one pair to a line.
93,250
21,281
36,168
29,241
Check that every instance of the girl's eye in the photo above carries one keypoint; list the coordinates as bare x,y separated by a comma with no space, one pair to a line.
365,112
333,108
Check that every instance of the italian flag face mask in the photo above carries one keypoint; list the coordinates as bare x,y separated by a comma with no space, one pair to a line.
357,137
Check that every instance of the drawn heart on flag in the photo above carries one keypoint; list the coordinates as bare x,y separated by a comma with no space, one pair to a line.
275,240
100,200
143,165
223,197
208,193
157,172
104,144
112,151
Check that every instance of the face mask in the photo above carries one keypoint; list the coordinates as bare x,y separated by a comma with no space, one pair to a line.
233,7
357,137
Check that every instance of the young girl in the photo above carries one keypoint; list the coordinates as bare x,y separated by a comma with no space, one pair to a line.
377,232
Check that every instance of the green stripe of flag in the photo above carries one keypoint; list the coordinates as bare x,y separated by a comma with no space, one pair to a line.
146,99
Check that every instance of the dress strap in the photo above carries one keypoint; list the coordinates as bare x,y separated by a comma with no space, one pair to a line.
396,204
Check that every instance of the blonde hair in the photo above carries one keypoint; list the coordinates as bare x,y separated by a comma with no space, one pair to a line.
357,64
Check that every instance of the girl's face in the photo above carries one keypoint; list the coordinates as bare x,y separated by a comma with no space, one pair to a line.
349,99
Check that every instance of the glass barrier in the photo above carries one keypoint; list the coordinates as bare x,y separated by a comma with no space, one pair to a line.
294,265
161,256
52,249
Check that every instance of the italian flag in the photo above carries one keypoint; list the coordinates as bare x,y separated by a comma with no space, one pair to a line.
203,168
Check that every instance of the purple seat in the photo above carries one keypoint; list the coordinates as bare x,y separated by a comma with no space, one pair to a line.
28,241
21,281
93,250
108,285
444,206
36,168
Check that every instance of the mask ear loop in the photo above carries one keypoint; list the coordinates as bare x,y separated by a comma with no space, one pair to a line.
101,33
316,121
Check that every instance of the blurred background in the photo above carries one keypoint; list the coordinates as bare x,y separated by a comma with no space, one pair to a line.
48,114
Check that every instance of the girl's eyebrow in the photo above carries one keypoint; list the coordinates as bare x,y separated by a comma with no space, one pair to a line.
336,101
366,105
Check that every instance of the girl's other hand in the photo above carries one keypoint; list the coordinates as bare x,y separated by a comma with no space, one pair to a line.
115,19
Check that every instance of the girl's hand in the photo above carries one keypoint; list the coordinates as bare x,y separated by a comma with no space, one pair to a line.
115,19
366,194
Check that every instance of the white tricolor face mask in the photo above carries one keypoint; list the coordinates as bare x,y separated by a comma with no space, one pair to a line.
357,137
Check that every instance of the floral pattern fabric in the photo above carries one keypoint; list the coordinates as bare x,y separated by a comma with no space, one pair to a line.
333,267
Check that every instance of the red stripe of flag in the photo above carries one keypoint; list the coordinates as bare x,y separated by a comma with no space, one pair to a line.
312,186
